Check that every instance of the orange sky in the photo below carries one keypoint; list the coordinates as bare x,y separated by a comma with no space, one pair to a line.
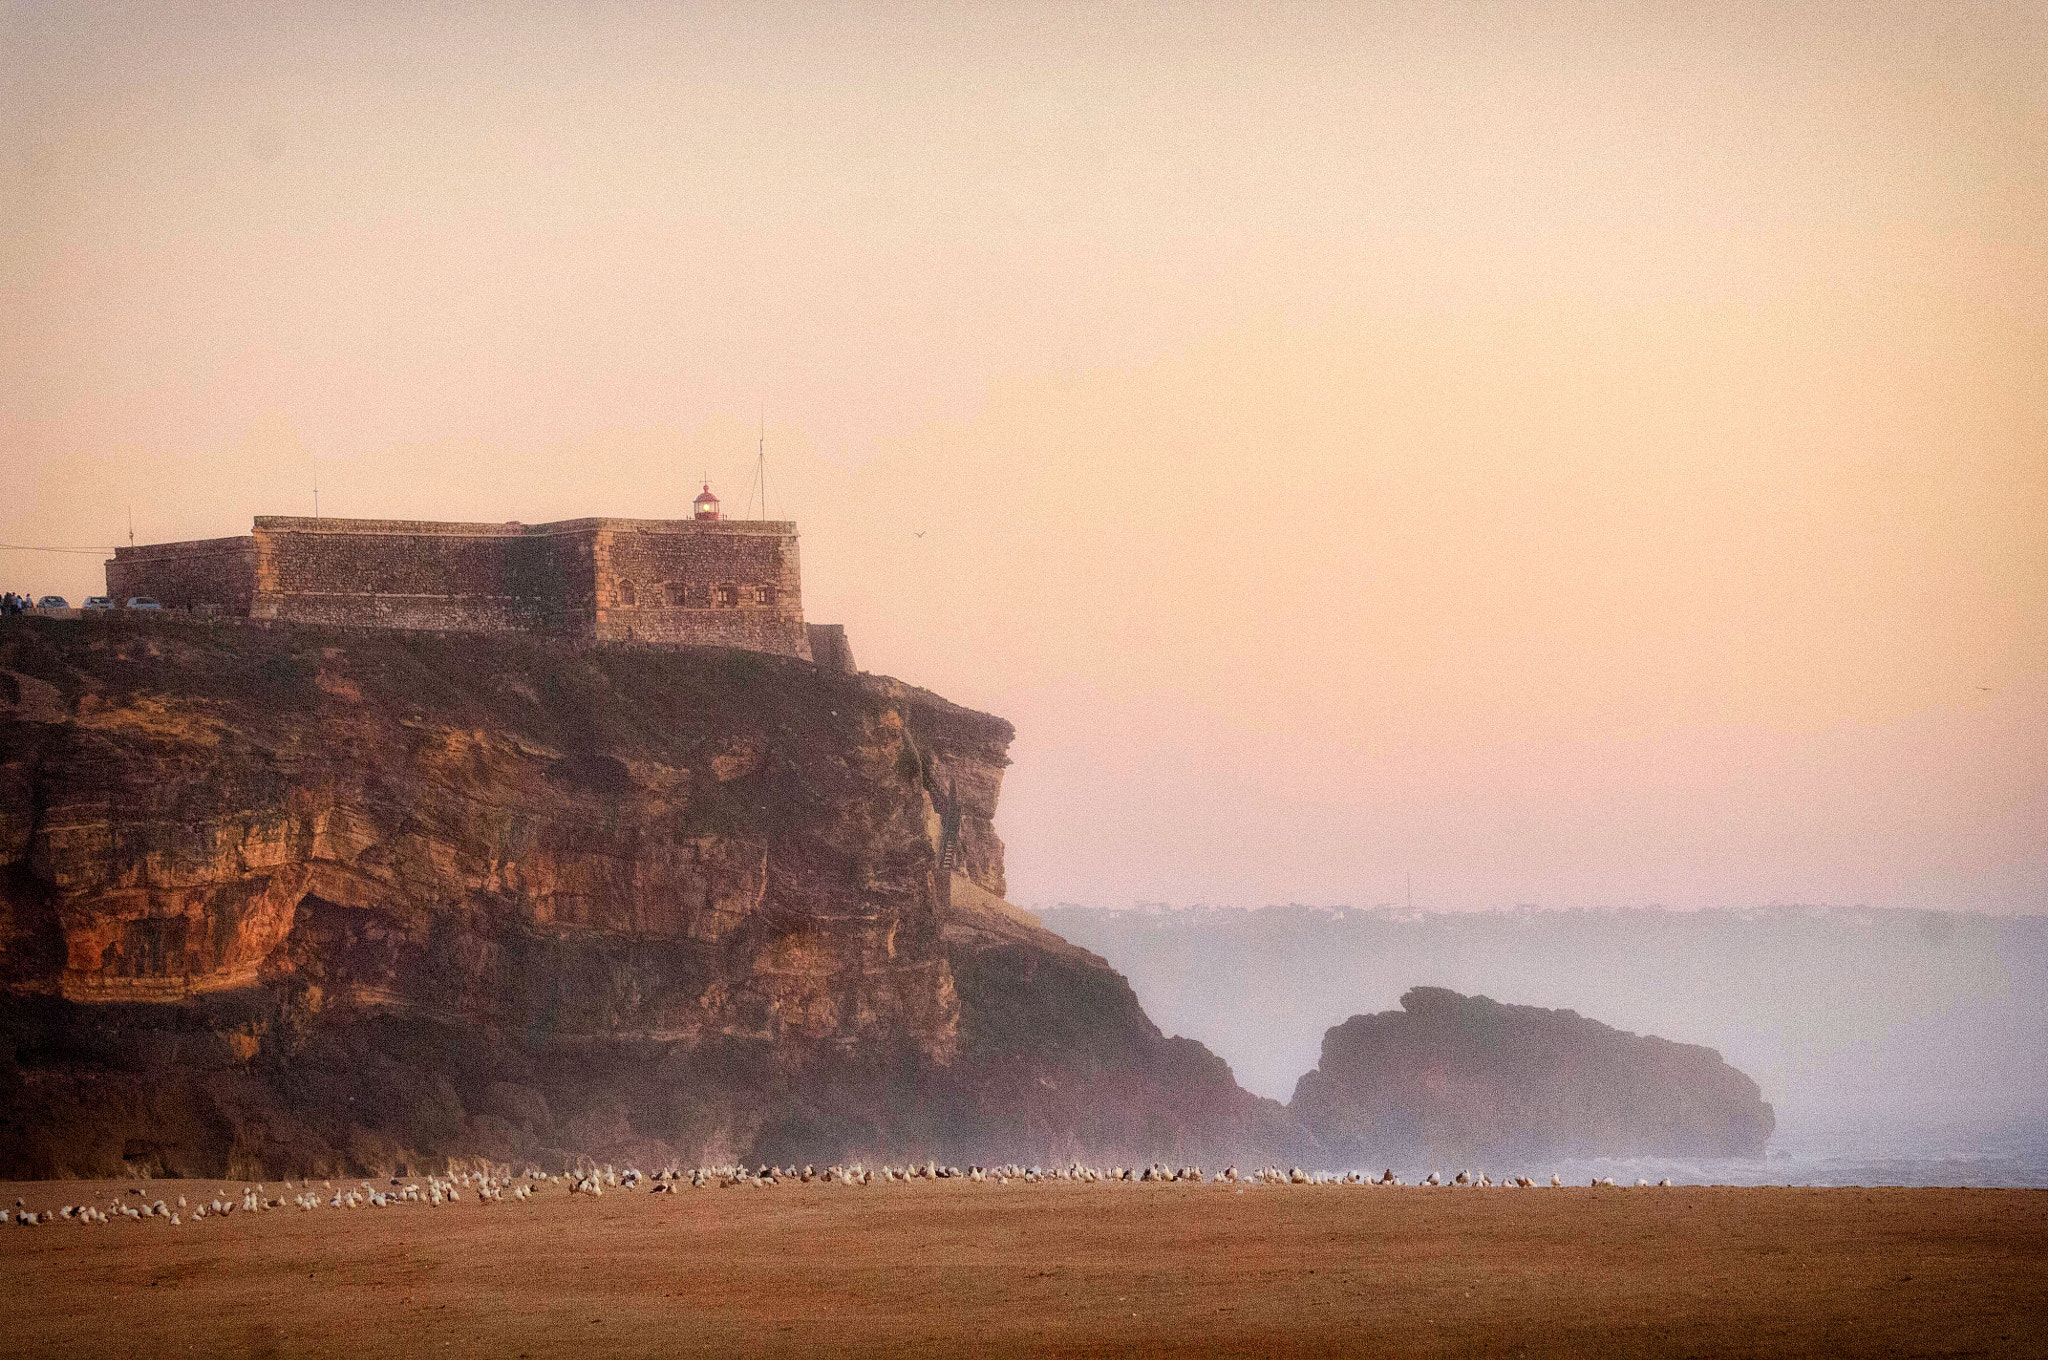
1570,453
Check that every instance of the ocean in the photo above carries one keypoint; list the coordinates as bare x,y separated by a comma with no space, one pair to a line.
2014,1157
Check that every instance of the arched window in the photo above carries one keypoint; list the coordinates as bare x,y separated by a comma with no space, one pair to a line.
629,595
677,593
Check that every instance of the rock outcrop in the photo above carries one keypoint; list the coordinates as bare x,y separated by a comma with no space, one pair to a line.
289,900
1450,1078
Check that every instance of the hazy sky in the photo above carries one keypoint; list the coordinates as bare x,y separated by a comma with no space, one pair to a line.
1574,454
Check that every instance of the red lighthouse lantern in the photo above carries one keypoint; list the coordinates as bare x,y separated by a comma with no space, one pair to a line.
706,504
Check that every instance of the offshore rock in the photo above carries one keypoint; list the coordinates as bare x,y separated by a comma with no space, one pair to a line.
1452,1078
288,900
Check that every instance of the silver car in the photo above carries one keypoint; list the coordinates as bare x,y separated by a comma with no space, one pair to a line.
142,602
53,602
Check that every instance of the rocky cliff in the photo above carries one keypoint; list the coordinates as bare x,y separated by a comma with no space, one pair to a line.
1450,1078
287,900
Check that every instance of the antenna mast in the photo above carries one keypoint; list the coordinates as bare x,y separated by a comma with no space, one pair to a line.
760,482
131,524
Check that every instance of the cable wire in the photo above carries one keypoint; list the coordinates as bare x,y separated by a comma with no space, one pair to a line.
30,547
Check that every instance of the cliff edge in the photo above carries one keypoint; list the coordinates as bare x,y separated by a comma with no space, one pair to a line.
1465,1077
301,901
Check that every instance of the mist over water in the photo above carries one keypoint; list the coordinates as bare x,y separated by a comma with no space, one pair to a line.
1896,1046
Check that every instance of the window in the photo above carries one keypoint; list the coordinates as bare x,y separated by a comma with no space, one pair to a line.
629,596
728,596
678,594
764,595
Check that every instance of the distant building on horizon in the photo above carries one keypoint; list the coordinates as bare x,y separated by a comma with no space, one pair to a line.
703,581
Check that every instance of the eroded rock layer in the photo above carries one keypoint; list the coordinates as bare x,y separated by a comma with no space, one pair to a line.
288,900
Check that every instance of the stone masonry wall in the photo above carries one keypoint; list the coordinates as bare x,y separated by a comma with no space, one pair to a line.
729,583
397,574
681,582
830,648
214,572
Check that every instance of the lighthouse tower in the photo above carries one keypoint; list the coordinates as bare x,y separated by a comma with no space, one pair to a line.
706,504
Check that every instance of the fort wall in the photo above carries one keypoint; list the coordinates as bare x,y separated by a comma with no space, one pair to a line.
209,573
729,583
829,647
409,574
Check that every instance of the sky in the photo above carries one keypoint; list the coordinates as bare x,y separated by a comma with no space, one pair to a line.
1474,454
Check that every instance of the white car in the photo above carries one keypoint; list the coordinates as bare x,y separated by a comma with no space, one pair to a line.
53,602
97,602
142,602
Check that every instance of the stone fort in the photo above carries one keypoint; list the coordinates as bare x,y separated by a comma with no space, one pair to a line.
704,581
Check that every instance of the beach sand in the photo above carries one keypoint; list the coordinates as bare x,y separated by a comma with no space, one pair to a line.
965,1269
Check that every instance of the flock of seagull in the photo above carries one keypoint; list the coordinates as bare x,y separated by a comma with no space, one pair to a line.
498,1187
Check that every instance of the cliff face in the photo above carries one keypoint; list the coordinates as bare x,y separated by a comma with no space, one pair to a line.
1468,1078
299,901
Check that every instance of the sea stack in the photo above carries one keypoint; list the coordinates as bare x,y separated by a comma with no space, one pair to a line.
1466,1077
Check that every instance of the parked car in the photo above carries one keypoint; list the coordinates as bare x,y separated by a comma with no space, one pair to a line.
53,602
97,602
142,602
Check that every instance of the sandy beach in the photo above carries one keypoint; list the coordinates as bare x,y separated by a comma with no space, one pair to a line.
957,1268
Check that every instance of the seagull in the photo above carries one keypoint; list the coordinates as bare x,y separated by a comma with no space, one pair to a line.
919,534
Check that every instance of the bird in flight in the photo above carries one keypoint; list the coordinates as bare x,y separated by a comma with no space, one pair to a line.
920,533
